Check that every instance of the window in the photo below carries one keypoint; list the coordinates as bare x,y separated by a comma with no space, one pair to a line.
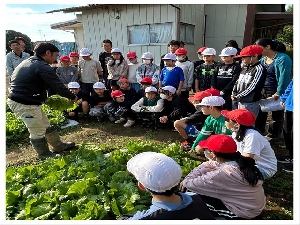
187,33
149,34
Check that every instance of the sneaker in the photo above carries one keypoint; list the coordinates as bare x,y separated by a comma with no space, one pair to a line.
186,146
86,118
111,118
121,120
284,159
288,169
99,118
129,123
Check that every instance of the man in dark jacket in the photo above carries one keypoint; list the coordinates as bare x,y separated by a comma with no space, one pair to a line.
28,90
104,58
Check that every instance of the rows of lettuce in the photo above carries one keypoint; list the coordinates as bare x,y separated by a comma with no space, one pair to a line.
86,184
16,129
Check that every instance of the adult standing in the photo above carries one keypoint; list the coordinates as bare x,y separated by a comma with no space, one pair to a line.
15,57
29,83
104,57
22,43
279,66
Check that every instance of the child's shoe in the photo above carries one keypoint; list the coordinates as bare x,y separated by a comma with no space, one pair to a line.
129,123
121,120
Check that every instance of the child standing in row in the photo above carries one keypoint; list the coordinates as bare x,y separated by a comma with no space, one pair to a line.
65,72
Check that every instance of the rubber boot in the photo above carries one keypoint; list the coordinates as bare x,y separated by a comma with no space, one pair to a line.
53,139
42,149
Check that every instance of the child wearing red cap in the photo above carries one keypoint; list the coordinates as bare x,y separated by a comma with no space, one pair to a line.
65,72
188,70
132,68
229,183
119,110
74,58
250,143
247,89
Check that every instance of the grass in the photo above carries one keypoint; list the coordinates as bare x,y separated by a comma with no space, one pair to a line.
109,137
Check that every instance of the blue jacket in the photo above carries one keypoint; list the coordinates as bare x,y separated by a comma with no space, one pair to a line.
288,97
283,67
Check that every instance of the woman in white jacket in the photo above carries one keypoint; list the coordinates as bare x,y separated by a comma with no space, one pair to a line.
229,183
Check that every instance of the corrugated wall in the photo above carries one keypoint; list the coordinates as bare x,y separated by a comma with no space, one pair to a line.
101,24
224,22
194,15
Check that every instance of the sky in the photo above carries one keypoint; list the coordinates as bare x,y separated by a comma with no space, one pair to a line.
32,20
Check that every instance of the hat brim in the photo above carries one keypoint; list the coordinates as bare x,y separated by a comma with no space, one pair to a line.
85,54
226,113
224,55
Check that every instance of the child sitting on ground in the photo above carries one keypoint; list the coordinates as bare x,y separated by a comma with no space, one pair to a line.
82,101
98,100
149,107
119,110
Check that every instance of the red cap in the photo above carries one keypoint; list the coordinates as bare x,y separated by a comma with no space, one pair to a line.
219,143
199,96
146,80
73,54
181,51
242,116
123,80
250,50
116,94
214,92
200,50
64,58
131,55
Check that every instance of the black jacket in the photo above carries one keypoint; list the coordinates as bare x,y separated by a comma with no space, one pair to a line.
177,108
31,79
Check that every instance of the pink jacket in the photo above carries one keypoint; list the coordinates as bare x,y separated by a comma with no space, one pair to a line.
226,182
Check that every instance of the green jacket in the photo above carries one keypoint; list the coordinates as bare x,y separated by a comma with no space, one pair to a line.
211,124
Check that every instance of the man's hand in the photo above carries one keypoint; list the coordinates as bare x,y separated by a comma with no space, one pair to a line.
79,101
178,92
76,98
282,104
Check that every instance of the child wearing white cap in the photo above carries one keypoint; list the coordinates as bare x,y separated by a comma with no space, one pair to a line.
204,72
149,107
148,69
83,102
98,100
89,71
171,75
214,123
226,74
160,175
175,107
117,68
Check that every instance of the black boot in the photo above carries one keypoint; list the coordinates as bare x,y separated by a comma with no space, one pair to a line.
54,140
42,149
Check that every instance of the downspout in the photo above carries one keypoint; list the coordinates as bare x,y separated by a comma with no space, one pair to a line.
204,30
178,21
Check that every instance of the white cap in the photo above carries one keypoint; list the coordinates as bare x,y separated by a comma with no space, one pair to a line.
228,51
147,55
73,85
170,89
150,89
170,56
85,52
155,171
116,50
99,85
212,101
209,51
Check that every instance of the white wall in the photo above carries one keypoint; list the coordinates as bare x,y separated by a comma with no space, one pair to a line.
224,22
100,24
